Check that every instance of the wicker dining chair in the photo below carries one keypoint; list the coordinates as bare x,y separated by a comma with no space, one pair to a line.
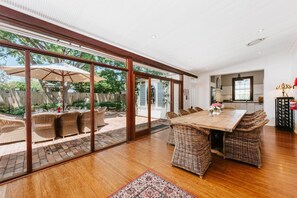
255,113
254,117
192,149
43,127
170,140
68,124
182,112
251,121
12,130
244,143
190,110
84,122
198,109
100,114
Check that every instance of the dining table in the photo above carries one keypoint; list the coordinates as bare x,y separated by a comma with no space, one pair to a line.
225,122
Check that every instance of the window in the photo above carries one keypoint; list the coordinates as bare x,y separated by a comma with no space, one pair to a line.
242,88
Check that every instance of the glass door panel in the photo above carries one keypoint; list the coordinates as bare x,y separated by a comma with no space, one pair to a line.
141,104
160,104
176,91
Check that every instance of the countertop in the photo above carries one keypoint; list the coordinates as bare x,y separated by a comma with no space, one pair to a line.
242,102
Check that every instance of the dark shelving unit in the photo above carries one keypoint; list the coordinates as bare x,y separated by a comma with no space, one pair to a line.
284,117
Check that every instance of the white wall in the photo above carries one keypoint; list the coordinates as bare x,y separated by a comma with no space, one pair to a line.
278,68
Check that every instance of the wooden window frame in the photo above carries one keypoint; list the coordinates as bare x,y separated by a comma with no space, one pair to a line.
251,87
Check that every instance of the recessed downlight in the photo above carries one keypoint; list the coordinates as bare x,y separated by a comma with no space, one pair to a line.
255,42
154,36
261,30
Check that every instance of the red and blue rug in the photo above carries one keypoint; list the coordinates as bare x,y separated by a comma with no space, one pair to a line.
150,185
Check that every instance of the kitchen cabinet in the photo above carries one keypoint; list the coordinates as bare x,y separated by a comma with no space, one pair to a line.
249,106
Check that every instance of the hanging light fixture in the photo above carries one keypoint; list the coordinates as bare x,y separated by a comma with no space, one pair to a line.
239,77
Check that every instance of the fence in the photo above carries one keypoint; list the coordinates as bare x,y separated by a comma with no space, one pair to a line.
15,99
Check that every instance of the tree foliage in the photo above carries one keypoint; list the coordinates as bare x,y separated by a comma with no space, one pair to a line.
114,80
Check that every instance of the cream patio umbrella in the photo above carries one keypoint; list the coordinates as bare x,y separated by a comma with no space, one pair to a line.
53,72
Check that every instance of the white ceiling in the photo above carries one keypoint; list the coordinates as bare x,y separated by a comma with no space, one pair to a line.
195,35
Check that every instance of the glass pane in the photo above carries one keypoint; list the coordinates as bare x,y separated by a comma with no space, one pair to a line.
60,97
12,111
110,107
176,97
154,71
160,104
141,104
242,89
62,47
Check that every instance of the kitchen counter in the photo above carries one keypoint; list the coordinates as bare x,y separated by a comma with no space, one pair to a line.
249,106
242,102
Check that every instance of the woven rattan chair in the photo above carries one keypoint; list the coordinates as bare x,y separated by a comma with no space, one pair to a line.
251,121
255,113
198,109
254,117
192,149
68,124
43,127
170,139
84,122
100,113
190,110
182,112
12,130
244,143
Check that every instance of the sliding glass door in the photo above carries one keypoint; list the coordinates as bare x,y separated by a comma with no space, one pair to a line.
142,105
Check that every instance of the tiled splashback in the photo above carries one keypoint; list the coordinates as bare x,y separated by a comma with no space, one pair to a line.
227,92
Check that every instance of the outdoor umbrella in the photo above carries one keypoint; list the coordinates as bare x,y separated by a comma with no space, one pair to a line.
53,72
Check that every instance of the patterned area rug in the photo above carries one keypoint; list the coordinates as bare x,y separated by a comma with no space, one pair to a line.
150,185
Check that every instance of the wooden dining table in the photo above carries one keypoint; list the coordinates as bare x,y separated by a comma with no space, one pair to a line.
223,123
226,121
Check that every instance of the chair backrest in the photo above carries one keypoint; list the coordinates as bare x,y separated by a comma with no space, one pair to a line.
85,115
183,112
70,116
198,109
187,136
258,124
190,110
170,115
43,119
101,109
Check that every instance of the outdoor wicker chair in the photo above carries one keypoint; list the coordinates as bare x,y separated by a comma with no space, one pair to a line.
12,130
183,112
43,127
198,109
84,122
192,149
190,110
100,113
244,143
170,139
68,124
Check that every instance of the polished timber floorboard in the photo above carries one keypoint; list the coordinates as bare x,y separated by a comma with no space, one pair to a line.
102,173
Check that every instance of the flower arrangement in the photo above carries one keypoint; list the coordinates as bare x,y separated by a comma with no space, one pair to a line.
215,108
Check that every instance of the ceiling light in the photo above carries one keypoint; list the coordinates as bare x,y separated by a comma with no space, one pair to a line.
154,36
261,30
260,53
255,42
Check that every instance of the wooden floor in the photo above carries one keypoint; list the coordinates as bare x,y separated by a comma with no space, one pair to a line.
102,173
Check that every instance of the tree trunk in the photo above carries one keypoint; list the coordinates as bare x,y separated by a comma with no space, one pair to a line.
48,92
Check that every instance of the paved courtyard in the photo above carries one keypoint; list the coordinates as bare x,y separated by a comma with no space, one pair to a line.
13,156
